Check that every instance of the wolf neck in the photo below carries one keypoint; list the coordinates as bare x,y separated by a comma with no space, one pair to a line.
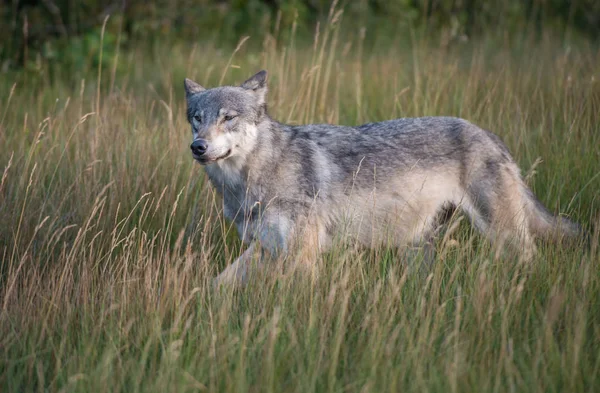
256,152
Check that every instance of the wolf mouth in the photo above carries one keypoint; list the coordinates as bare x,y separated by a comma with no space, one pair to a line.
205,161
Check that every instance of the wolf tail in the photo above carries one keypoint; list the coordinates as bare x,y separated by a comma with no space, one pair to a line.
546,225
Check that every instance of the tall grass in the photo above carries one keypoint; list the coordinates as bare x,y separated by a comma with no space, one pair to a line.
110,235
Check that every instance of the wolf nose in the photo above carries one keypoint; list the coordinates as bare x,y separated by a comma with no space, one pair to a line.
199,147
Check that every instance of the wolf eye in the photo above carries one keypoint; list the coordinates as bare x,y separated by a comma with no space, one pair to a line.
198,118
229,117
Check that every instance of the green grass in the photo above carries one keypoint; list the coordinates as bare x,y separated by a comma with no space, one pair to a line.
110,235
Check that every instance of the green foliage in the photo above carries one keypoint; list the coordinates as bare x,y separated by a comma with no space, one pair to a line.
82,53
42,31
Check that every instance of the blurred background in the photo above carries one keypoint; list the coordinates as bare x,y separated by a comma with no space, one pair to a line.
38,33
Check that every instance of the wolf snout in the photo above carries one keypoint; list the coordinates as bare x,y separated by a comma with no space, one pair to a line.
199,147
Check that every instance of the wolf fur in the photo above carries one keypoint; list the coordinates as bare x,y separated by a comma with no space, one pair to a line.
393,182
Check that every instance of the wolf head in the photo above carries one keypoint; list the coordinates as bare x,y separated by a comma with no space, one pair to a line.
224,119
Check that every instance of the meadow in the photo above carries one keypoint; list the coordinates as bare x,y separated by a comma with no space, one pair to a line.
110,234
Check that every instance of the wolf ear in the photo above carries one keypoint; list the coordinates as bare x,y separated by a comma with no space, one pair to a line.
191,87
258,84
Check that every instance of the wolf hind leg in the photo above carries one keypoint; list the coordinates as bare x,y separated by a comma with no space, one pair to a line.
423,246
496,208
421,256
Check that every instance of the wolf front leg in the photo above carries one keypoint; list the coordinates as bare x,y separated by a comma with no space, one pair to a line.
237,272
272,241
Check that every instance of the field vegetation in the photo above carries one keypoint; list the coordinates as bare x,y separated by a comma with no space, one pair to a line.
110,234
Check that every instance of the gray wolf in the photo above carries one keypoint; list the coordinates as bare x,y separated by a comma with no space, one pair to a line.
394,182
